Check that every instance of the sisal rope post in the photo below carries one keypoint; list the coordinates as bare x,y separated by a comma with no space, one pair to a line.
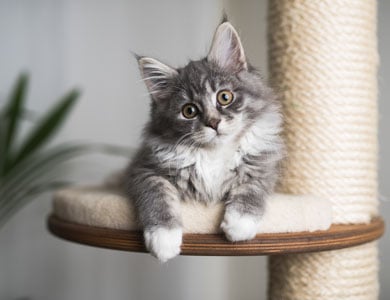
323,62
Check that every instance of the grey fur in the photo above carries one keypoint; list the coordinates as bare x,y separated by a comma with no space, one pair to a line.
167,168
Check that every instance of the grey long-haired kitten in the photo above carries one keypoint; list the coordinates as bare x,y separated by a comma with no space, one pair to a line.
213,135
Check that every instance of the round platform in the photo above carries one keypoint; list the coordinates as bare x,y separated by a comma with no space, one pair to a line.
337,237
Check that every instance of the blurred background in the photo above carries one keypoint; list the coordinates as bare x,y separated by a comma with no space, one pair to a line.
84,43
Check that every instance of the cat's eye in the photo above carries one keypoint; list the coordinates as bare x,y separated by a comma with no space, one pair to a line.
189,111
225,97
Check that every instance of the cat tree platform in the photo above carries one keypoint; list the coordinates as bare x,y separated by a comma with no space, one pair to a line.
337,237
103,217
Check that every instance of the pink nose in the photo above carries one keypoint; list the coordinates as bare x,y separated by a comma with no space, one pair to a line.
213,123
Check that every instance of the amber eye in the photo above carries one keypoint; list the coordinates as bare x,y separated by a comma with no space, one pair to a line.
189,111
225,97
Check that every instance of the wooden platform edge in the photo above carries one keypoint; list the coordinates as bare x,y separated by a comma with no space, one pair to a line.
337,237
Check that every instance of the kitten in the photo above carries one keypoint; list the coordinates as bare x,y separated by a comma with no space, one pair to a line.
213,135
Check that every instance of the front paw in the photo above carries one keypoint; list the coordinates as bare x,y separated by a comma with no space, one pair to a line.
239,227
163,243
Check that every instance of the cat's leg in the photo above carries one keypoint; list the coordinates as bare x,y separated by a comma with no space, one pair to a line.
243,211
158,206
246,201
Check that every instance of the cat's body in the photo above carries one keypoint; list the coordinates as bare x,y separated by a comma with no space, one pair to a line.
207,174
213,136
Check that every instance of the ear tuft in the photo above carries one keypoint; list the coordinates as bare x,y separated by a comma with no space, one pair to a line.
226,50
224,17
136,55
156,76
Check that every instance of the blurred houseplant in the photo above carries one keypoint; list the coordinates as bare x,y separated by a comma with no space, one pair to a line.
28,167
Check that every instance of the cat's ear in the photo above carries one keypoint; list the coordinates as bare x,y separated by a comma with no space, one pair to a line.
156,75
226,50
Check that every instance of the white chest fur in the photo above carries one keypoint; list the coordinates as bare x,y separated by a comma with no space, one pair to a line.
214,168
211,171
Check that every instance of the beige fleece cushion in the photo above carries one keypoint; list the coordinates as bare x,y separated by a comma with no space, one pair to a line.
105,206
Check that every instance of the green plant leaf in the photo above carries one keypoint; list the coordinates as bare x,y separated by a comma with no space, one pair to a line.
11,197
35,166
46,128
48,186
10,117
2,145
14,109
36,173
24,196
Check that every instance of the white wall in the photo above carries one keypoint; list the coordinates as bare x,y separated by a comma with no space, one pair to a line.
86,43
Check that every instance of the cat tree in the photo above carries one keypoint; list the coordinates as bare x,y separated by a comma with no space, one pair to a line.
323,61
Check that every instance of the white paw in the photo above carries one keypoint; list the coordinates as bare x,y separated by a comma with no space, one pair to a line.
163,243
239,227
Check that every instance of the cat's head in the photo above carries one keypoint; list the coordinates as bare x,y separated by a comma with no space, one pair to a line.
207,101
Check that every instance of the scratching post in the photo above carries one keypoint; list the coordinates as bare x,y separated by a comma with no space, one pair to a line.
323,62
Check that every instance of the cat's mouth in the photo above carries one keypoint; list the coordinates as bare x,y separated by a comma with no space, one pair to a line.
210,134
213,138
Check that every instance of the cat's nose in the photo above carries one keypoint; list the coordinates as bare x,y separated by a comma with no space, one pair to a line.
213,123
